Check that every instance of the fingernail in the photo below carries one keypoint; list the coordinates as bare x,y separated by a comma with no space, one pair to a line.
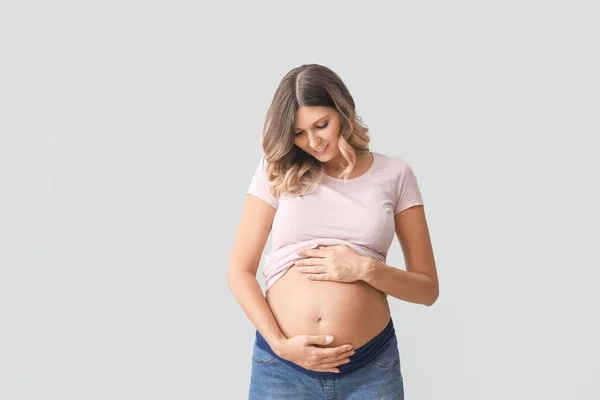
352,353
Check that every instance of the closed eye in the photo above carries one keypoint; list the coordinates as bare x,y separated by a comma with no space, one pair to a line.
318,126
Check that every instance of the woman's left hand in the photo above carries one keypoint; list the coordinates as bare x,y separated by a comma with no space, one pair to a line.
338,263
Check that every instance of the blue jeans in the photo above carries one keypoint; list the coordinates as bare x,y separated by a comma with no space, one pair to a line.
380,379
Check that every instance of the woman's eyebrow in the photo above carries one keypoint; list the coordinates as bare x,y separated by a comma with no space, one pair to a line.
317,121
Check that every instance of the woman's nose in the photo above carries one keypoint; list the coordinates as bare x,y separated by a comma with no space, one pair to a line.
313,140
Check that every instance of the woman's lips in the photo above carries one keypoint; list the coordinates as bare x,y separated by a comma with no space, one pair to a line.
322,152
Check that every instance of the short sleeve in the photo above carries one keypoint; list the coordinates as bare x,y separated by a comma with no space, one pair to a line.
408,193
259,186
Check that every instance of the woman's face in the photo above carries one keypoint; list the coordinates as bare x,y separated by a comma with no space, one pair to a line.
318,128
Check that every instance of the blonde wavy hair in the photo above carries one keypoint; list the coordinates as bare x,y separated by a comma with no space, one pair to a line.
290,170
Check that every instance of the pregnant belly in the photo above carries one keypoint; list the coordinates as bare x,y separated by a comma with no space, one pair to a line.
353,313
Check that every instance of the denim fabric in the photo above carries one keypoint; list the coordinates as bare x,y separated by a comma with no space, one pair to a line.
380,378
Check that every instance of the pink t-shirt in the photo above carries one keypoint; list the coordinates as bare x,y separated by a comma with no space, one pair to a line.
358,213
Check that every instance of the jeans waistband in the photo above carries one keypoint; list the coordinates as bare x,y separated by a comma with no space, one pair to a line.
362,356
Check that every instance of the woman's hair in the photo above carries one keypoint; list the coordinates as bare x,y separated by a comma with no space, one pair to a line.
288,167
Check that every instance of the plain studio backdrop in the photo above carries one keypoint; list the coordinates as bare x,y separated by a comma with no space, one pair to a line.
130,131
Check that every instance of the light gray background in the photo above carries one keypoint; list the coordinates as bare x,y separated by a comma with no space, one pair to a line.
130,131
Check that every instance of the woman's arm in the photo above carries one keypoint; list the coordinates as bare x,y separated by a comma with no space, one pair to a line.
414,287
419,283
248,293
255,225
341,263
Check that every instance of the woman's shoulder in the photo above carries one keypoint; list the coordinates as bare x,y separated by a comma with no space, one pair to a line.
391,161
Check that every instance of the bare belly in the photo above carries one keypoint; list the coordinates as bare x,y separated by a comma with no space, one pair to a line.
353,313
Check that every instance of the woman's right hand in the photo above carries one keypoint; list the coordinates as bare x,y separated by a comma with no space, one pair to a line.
301,350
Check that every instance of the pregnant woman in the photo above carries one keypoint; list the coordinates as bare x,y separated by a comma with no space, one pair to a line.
324,328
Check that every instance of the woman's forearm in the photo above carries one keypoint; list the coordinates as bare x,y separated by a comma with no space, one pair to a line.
409,286
249,295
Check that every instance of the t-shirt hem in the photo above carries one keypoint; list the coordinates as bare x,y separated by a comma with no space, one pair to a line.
271,203
418,202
